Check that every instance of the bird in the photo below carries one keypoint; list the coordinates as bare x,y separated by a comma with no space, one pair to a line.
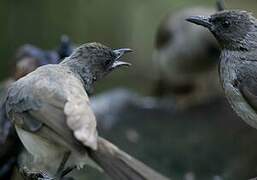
27,58
236,32
51,112
185,59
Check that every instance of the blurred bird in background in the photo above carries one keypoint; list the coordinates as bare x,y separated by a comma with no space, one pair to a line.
27,59
185,59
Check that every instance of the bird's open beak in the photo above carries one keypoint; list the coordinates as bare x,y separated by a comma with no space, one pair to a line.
119,53
200,20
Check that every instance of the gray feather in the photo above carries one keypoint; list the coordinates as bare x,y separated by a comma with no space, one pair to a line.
247,84
34,102
4,121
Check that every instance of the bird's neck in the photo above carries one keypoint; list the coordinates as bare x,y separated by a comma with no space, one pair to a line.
246,44
81,71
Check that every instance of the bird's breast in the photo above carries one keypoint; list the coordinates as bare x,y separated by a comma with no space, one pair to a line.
228,76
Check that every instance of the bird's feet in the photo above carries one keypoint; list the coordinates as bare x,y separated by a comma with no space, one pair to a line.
62,171
32,175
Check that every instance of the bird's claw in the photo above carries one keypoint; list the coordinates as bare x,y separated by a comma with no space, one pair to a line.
32,175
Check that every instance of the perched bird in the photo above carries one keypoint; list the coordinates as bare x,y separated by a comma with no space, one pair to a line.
52,116
185,58
27,58
236,32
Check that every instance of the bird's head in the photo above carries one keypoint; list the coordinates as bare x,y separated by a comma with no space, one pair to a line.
93,61
234,29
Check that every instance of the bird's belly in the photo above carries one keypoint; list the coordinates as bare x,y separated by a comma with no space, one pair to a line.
47,156
240,106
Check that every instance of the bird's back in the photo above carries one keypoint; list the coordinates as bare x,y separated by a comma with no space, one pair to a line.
55,87
42,84
54,97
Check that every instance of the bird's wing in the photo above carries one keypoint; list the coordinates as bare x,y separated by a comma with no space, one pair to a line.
62,107
247,82
248,89
5,124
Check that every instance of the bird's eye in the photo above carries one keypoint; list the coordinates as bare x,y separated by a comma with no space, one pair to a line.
226,24
107,62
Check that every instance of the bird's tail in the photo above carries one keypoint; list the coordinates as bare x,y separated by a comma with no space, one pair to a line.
121,166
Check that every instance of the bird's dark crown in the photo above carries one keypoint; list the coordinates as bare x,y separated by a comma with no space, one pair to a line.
92,61
98,57
234,29
232,15
87,51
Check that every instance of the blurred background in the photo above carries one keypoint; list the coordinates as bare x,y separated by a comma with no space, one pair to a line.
204,142
116,23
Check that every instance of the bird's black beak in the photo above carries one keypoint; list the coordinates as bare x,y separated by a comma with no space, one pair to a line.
200,20
119,53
